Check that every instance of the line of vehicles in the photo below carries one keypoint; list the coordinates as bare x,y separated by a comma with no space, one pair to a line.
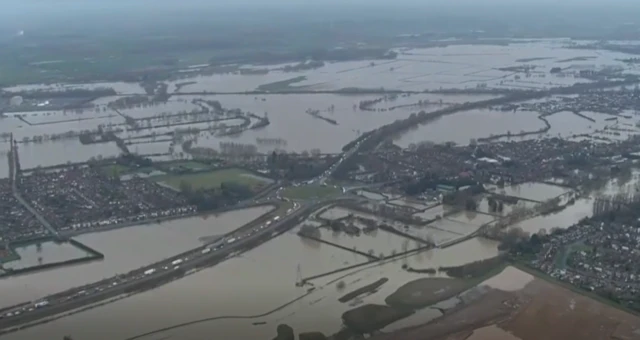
138,274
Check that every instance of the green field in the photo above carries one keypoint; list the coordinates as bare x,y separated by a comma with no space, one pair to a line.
310,191
191,165
8,256
213,179
116,170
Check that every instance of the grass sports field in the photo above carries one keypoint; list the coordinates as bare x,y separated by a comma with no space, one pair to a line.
213,179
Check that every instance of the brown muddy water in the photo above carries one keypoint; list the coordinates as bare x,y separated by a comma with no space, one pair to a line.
257,282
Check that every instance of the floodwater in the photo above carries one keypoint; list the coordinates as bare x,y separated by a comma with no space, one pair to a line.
377,242
119,87
172,106
44,253
407,203
563,219
492,332
532,191
471,217
462,127
418,318
288,111
53,153
434,212
371,195
462,223
483,207
455,66
459,66
263,279
254,283
124,249
509,280
335,213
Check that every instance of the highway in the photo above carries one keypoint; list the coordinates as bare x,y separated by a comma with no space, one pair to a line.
165,271
162,272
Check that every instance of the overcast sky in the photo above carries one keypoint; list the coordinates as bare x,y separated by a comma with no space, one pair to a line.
16,14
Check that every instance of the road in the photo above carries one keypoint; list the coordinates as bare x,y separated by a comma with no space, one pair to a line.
159,273
18,196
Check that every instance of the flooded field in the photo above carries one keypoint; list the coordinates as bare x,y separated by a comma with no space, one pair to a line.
335,213
456,66
247,296
87,116
563,219
371,195
44,253
532,191
33,155
301,131
461,224
431,213
411,204
119,87
460,128
471,217
483,207
378,242
124,249
172,106
256,283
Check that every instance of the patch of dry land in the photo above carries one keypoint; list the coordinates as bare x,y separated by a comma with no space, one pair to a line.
515,305
425,292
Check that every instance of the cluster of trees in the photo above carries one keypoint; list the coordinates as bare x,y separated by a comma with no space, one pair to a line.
495,205
431,181
129,102
309,231
304,66
464,198
134,161
54,136
238,148
297,167
519,243
67,93
474,269
366,105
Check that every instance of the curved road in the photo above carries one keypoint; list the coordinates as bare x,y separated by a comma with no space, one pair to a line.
160,273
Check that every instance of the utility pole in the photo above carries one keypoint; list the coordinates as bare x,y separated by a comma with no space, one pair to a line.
299,282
